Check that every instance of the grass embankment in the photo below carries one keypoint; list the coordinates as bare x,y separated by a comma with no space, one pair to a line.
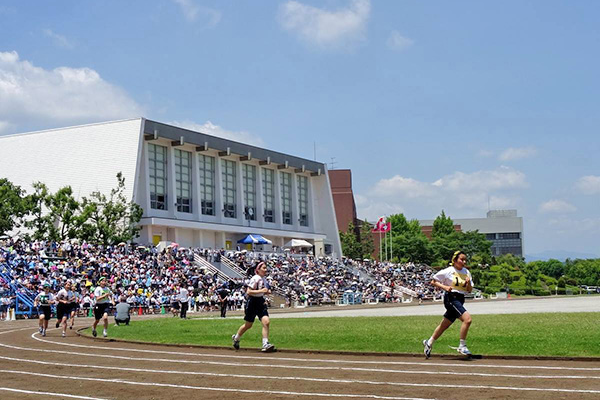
568,334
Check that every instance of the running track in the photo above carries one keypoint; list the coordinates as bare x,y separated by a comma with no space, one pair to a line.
79,368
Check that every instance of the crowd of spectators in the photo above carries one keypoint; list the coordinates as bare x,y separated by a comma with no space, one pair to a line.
149,279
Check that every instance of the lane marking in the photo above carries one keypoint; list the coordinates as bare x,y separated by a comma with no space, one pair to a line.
329,361
407,384
208,388
297,366
71,396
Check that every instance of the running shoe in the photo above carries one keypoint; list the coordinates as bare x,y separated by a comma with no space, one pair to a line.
426,348
94,333
104,333
236,343
44,333
71,327
463,350
64,334
40,329
268,348
57,323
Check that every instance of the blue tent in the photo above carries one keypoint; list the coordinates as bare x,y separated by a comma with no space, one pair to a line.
254,239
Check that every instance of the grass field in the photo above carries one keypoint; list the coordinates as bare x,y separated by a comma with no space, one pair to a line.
566,334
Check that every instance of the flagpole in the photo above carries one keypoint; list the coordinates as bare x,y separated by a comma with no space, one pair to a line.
391,248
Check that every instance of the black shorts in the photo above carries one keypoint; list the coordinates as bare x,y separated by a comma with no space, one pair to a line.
175,306
100,309
256,307
62,310
73,307
454,305
46,310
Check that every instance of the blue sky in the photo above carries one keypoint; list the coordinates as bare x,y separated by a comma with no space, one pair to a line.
432,104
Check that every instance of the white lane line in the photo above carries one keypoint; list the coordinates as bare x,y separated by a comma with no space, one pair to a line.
208,388
221,375
296,367
370,396
328,361
71,396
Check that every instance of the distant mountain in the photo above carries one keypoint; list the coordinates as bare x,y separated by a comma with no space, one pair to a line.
560,255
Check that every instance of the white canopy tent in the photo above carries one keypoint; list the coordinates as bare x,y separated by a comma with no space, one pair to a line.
295,243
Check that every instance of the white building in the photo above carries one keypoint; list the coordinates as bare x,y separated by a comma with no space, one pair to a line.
196,189
501,227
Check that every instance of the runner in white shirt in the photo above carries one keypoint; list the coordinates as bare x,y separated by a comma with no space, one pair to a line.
103,297
455,281
258,286
44,301
64,297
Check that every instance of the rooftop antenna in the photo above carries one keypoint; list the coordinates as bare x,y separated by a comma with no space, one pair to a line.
332,163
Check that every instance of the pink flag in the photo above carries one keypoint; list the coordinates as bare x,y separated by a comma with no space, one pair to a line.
379,225
386,227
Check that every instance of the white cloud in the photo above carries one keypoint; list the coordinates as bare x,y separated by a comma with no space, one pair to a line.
59,40
211,129
398,42
516,153
556,206
469,193
32,95
589,184
344,27
193,13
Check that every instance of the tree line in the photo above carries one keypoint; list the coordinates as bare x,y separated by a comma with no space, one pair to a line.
43,215
490,273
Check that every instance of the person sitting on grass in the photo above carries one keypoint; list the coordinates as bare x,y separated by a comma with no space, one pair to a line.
122,316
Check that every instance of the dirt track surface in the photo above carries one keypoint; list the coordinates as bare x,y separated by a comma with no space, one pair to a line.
77,367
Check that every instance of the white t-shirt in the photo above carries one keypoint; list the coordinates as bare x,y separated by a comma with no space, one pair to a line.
99,291
455,278
64,294
44,298
256,283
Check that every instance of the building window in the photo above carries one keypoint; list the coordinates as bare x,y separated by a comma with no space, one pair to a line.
268,181
183,180
228,177
286,198
249,183
303,200
157,160
207,184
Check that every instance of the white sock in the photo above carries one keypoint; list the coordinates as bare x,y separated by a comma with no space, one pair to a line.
431,341
265,341
463,343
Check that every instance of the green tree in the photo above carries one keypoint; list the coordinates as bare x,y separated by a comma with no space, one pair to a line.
38,221
62,217
13,206
109,220
442,225
401,225
366,240
351,247
415,248
504,274
532,274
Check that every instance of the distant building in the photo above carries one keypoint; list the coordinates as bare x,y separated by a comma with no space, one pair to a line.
343,198
501,227
196,189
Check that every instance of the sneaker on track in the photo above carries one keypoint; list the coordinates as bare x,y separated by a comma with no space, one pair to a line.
94,333
104,333
236,343
268,348
64,334
40,329
57,324
44,333
426,348
463,350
